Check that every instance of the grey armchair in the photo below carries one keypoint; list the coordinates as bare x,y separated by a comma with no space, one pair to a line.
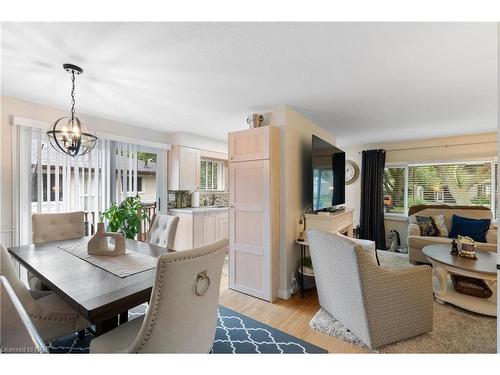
379,305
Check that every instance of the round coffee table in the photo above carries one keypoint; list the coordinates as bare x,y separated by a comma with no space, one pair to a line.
443,264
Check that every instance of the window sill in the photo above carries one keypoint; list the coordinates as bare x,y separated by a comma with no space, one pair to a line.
395,216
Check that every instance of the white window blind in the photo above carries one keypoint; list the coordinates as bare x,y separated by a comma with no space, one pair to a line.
212,175
60,183
465,183
126,170
460,184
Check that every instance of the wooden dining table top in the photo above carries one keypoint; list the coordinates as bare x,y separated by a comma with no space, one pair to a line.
92,291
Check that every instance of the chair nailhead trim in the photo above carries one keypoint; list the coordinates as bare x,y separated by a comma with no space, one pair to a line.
158,293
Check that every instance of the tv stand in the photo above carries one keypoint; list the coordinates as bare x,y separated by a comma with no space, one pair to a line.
334,221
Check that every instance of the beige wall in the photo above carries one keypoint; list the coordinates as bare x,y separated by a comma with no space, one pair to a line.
295,166
467,147
16,107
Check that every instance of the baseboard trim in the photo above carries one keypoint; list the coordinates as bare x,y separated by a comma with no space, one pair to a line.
286,294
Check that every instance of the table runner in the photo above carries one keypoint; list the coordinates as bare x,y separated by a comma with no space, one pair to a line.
122,266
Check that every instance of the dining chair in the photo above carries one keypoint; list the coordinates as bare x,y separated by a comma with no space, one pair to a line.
162,231
52,317
54,227
182,312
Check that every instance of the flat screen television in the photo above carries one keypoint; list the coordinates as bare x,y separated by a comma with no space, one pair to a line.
328,175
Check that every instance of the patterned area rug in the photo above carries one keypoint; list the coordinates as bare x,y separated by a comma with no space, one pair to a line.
455,330
235,334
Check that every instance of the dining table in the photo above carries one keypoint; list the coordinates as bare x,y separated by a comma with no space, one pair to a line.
102,297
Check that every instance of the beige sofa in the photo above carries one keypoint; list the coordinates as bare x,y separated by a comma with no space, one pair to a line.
416,242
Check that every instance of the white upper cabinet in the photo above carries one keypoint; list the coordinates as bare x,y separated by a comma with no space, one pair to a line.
251,144
183,168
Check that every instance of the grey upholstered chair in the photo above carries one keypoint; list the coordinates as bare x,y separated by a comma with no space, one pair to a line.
182,312
54,227
379,305
52,317
162,231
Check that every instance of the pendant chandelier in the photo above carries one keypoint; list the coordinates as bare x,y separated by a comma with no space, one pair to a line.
67,135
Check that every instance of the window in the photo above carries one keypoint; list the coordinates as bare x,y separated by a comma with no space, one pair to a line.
466,184
394,190
212,175
127,182
53,187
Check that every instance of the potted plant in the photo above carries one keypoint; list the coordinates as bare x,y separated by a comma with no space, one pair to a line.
308,266
126,217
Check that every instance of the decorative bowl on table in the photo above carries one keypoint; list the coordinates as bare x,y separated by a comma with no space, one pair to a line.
466,247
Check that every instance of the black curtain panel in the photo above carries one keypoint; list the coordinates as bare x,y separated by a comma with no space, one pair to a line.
372,197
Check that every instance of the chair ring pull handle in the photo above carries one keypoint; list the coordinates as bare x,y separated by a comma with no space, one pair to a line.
202,276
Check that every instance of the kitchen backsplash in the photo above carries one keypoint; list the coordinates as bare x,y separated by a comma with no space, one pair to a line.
212,199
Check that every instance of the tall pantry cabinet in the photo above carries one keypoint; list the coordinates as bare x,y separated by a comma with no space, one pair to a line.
254,211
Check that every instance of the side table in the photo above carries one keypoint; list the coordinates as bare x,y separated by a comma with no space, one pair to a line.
303,245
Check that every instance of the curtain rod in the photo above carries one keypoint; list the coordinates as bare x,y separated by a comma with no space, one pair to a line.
439,146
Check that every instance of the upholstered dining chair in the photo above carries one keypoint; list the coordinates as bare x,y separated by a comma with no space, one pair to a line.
52,317
162,231
54,227
379,305
182,312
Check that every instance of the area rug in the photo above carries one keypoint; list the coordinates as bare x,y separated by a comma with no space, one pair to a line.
389,259
455,330
235,334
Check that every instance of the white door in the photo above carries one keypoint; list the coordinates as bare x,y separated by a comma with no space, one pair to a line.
249,223
249,145
198,229
189,169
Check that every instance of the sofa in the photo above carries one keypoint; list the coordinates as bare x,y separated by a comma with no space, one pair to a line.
416,242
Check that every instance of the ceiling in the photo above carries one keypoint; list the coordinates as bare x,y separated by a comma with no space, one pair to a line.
363,82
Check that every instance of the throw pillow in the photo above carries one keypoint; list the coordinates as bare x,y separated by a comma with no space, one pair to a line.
440,225
473,228
427,227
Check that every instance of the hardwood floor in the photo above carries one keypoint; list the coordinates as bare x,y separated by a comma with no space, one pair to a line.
291,316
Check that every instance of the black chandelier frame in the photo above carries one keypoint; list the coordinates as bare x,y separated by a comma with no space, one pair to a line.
76,141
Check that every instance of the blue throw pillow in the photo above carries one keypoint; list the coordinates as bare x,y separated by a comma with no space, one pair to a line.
473,228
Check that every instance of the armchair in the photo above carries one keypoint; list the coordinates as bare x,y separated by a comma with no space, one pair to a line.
379,305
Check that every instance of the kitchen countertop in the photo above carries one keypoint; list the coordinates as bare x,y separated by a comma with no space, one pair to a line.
193,210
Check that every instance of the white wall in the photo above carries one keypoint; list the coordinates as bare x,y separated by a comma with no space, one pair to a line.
197,141
467,147
16,107
295,168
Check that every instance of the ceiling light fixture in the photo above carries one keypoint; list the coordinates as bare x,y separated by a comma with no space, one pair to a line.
67,135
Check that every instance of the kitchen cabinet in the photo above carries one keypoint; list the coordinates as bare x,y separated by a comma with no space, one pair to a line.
254,212
183,168
200,226
199,229
251,144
